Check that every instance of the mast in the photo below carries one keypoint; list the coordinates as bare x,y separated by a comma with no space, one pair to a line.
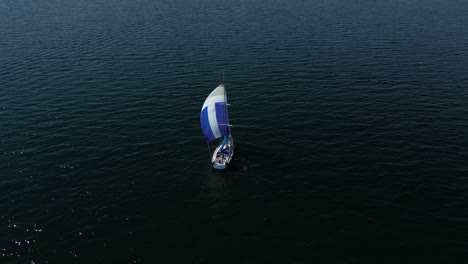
227,113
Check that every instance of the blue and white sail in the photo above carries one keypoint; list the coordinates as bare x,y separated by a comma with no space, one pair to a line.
214,115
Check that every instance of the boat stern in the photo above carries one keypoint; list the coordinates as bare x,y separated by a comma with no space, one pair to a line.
219,166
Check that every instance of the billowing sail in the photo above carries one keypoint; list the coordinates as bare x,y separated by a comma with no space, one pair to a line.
214,116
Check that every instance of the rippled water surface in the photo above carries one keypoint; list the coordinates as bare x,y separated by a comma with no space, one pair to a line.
350,121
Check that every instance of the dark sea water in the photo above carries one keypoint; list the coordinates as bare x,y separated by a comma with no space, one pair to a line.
350,122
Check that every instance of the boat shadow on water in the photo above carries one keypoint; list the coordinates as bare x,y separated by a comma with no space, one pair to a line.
250,158
251,166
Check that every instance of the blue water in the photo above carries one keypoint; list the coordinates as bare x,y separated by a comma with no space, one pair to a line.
350,120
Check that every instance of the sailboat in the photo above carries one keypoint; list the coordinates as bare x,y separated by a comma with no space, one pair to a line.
215,125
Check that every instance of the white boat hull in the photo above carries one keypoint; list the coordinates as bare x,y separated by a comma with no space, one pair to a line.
222,157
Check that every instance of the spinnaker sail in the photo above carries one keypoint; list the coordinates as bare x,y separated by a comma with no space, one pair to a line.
214,115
